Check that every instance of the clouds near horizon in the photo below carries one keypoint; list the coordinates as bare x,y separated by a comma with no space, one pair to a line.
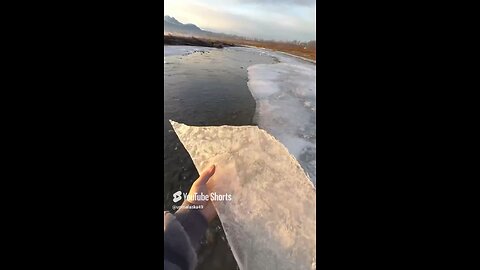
266,19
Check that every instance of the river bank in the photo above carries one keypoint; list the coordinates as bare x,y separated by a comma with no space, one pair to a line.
305,53
193,41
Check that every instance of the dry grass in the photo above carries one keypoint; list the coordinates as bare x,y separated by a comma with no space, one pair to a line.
309,53
291,48
194,41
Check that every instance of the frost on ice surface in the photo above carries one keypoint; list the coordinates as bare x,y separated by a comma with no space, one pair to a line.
270,221
285,95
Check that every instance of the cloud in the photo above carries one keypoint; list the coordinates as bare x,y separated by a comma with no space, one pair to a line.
266,21
294,2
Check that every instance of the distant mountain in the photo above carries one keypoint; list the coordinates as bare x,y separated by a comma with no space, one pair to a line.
171,20
170,24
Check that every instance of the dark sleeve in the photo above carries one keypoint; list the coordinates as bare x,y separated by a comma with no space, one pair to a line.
194,223
182,234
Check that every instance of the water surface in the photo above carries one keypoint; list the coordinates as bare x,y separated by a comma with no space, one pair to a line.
205,89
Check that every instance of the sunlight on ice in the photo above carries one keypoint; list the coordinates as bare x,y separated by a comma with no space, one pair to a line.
270,221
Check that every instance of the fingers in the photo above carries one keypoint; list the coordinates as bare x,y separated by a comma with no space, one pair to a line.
206,174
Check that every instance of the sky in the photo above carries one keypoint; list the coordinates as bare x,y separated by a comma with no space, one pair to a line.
266,19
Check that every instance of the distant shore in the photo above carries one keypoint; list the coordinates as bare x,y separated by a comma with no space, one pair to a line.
193,41
307,53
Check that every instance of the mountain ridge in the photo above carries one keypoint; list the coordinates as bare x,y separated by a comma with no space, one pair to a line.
173,26
170,24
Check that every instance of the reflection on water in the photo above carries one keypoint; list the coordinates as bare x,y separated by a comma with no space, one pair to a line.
205,89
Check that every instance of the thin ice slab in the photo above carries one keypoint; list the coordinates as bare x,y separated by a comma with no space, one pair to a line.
270,220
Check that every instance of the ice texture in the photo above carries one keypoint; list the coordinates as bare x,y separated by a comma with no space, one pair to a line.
285,95
270,221
172,50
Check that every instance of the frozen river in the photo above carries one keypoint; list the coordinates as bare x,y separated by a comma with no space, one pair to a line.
235,86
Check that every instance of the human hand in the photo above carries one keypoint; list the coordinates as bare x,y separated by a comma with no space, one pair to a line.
200,186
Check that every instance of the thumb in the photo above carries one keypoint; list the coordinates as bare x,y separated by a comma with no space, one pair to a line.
206,174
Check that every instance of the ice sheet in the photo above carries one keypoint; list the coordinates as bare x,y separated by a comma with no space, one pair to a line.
270,221
285,95
171,50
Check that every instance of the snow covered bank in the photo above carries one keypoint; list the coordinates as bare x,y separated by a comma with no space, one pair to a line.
279,54
285,94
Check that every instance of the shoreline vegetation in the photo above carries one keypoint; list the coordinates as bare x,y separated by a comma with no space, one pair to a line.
193,41
305,50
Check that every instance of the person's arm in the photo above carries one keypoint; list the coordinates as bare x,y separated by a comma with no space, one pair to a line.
184,230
